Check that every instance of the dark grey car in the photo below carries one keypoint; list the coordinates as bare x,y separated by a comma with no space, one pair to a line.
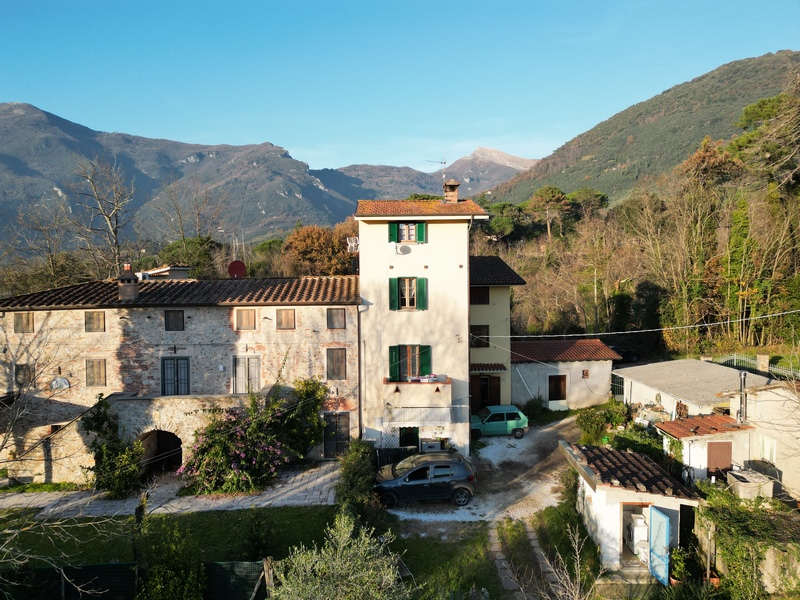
427,476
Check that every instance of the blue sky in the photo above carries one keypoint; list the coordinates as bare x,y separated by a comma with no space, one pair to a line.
396,82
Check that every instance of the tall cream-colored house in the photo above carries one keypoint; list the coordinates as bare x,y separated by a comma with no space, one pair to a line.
415,321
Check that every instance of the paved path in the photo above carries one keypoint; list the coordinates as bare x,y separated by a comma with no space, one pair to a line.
308,487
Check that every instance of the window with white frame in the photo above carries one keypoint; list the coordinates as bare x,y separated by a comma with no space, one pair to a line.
408,293
246,374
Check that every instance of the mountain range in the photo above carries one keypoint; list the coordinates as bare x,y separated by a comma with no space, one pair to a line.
266,191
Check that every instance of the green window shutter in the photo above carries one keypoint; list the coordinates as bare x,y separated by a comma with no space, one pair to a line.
394,232
425,360
394,294
422,293
421,233
394,363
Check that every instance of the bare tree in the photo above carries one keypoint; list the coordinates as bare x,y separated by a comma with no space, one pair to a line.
560,578
187,210
103,199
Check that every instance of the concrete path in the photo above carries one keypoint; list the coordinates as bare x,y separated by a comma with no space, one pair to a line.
308,487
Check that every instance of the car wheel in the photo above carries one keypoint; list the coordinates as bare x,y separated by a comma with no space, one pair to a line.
476,434
389,500
518,433
461,497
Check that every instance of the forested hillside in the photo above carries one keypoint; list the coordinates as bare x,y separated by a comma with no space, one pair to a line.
652,137
705,257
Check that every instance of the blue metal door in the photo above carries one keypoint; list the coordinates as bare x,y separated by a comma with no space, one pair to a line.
659,545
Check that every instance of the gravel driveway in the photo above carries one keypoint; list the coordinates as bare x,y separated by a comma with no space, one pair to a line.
516,478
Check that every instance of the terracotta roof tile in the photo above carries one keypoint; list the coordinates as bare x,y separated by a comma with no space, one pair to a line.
190,292
701,425
417,208
492,270
487,368
561,351
629,470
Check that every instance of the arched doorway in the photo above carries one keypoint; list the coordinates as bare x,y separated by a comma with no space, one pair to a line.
162,452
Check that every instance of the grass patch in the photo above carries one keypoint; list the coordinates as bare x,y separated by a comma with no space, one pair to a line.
554,522
517,548
456,562
218,535
21,488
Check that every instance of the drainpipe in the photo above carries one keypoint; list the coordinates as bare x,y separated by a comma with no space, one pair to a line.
742,414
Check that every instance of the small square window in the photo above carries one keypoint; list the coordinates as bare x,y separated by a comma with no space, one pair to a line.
337,363
336,318
173,320
479,295
24,375
284,318
23,322
246,319
95,372
95,320
478,336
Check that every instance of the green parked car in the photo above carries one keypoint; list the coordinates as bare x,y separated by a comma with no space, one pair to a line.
499,420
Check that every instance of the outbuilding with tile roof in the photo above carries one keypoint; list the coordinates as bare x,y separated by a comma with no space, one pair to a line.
620,495
562,374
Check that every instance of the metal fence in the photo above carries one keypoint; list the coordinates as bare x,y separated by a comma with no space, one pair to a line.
122,581
750,364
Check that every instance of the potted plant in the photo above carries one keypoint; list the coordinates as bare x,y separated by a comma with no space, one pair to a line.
678,565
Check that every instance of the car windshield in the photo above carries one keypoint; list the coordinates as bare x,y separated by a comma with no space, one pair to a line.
405,465
484,413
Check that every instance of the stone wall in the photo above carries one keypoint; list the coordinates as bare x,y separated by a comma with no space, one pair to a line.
134,345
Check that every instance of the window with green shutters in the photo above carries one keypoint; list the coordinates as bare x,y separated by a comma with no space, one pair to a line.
408,232
409,361
408,293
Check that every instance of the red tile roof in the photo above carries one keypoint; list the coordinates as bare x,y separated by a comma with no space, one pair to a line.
487,368
624,469
417,208
701,425
561,351
190,292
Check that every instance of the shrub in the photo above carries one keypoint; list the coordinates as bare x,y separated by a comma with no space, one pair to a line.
592,423
117,465
357,470
242,450
616,413
352,563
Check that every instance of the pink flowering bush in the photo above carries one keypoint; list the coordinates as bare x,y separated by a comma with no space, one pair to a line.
242,450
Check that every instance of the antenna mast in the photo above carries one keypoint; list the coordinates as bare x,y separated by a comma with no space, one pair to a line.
444,166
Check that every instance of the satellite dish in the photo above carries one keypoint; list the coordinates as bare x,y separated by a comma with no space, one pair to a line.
237,269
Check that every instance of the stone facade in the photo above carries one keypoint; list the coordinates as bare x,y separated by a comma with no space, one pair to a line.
159,379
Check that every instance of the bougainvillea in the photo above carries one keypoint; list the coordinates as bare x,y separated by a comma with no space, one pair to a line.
243,449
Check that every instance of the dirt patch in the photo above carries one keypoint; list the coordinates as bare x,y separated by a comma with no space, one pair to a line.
522,480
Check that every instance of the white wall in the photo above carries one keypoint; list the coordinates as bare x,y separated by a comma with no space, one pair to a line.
529,380
444,261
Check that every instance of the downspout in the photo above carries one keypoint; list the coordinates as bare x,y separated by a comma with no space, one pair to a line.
361,357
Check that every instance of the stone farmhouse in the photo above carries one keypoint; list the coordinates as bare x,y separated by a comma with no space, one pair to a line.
401,346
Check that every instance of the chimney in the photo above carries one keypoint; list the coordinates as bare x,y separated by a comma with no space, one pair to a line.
451,191
128,285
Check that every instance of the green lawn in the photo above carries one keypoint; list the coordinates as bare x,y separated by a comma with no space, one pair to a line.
439,563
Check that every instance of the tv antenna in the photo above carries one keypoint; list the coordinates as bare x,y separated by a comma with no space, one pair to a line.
444,166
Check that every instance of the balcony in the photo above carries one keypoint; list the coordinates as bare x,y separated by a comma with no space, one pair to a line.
428,391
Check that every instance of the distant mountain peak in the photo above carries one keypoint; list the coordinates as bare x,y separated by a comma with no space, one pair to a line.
501,158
